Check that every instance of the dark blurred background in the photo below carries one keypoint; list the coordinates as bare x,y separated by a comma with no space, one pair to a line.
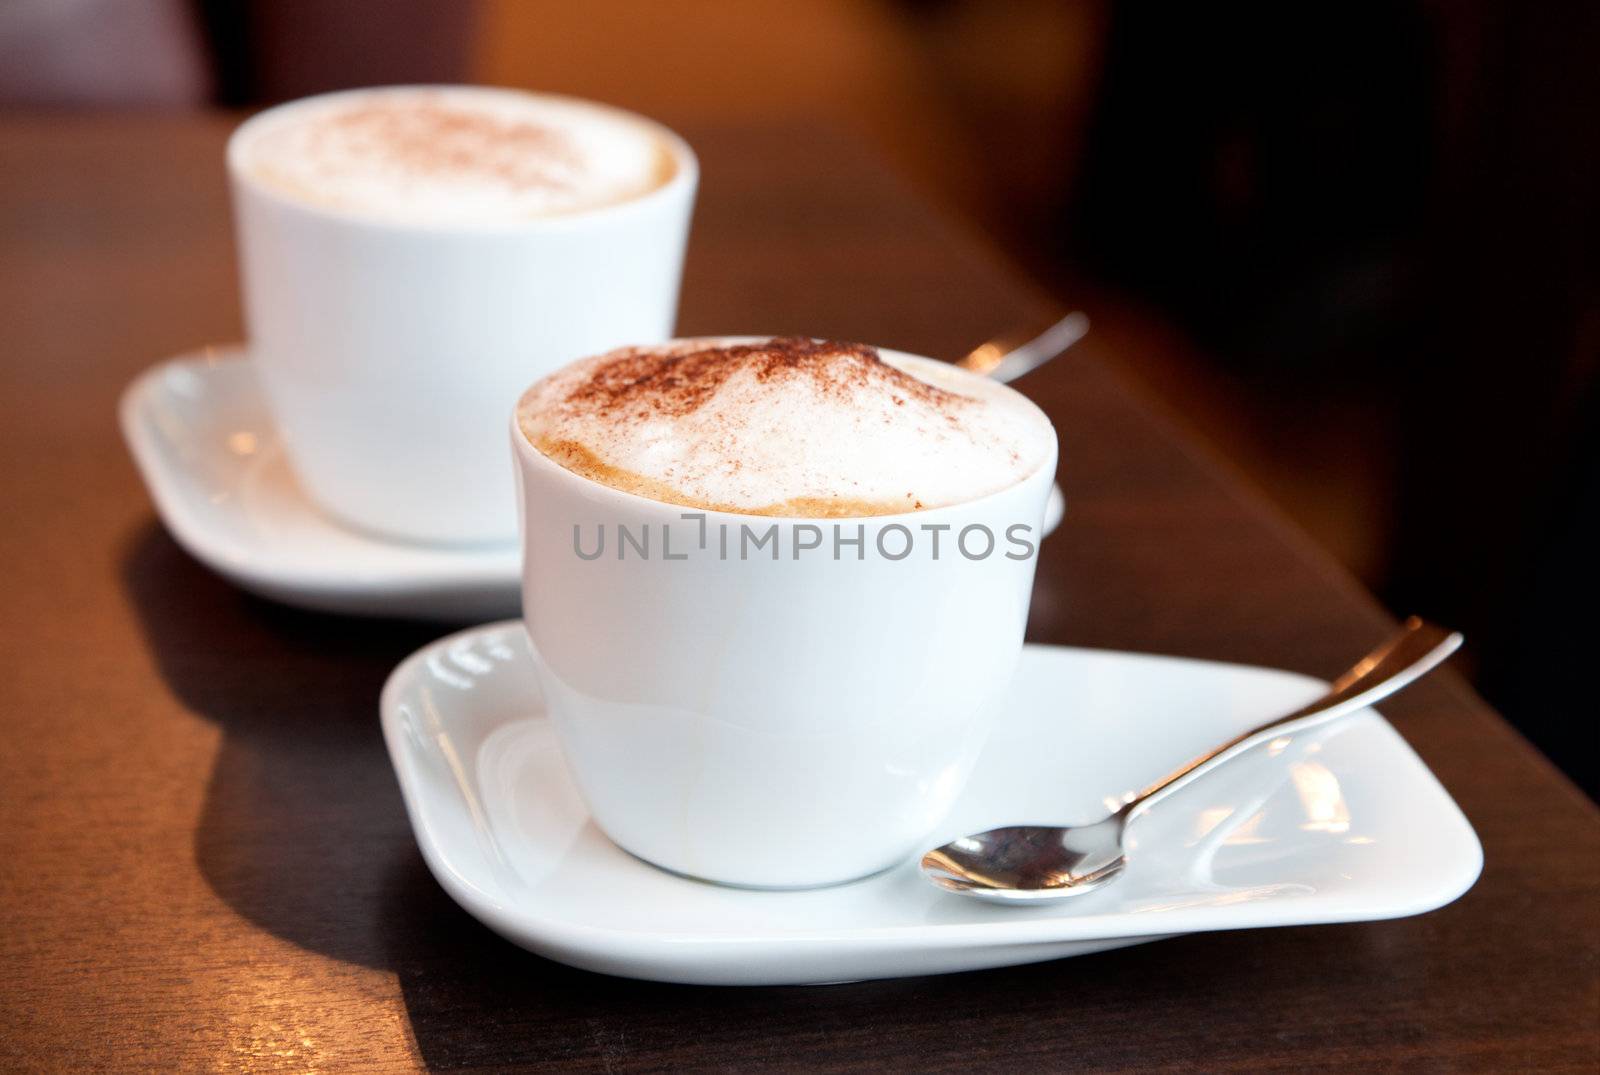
1352,245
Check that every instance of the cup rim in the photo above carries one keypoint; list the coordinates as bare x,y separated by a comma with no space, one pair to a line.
685,176
531,455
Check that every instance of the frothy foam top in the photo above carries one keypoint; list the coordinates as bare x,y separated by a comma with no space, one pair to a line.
786,427
455,155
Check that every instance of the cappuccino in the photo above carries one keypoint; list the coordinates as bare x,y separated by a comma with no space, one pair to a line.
413,256
458,155
830,668
787,427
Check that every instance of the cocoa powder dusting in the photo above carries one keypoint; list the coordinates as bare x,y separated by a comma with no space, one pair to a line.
677,382
431,138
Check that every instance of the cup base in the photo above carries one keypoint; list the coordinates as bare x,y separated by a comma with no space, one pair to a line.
399,536
749,886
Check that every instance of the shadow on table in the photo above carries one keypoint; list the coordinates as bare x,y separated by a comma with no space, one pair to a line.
475,1001
302,826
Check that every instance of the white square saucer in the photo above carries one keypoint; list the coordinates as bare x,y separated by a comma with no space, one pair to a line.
199,430
203,440
1344,825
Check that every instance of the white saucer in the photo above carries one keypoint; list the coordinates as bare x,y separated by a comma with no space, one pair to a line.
211,457
1343,827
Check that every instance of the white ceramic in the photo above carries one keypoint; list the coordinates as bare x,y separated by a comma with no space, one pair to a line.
391,354
213,461
724,701
1344,826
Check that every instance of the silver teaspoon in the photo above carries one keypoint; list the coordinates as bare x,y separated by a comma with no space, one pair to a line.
1031,863
1007,359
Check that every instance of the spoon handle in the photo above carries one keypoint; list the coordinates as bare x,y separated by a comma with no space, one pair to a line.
1416,649
1005,361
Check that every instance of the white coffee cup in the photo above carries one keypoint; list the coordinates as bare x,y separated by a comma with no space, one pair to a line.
785,722
391,352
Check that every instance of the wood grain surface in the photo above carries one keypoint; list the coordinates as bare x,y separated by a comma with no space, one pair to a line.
204,860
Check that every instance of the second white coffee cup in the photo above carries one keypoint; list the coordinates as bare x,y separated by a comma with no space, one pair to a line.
390,351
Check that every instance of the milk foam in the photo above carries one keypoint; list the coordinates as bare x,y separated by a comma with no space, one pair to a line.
792,428
455,155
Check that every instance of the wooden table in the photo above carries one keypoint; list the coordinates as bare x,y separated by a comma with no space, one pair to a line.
204,861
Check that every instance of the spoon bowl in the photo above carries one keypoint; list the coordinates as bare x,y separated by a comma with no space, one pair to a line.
1028,862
